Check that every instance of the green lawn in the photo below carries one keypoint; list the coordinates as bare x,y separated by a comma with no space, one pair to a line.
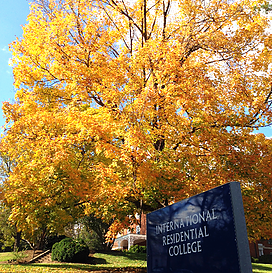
5,256
102,261
262,268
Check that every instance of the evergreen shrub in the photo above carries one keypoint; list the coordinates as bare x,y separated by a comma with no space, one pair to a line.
137,249
70,250
265,259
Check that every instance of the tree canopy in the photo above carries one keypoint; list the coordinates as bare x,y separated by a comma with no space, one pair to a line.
126,106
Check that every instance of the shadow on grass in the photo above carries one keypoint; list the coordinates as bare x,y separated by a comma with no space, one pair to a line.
131,256
95,260
88,267
262,267
93,263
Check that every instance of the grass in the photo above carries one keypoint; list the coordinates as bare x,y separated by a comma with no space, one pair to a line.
5,256
120,259
262,268
103,261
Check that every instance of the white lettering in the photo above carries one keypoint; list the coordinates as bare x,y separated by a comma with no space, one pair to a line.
200,233
189,220
195,219
163,240
181,224
202,217
199,246
181,236
176,250
192,233
205,231
171,254
193,247
188,248
184,249
165,227
168,240
176,226
214,217
171,225
177,237
186,235
208,217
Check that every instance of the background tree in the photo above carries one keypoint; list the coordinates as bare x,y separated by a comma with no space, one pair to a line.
126,106
35,223
11,235
94,232
8,232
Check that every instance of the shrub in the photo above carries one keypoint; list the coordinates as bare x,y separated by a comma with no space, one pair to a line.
254,260
18,256
137,249
69,250
265,259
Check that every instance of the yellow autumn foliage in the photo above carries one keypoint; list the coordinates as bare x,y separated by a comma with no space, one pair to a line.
125,105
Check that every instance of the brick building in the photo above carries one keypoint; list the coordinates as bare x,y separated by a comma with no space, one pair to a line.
260,248
136,235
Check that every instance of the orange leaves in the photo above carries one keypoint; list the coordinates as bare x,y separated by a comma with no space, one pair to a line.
116,227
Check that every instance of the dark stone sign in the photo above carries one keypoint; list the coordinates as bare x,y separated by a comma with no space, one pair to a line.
205,233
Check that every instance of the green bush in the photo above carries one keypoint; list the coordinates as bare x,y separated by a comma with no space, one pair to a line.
137,249
69,250
18,256
265,259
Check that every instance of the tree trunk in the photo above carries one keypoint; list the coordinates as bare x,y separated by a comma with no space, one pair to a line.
17,238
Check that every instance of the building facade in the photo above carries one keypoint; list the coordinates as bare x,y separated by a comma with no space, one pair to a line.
260,248
136,235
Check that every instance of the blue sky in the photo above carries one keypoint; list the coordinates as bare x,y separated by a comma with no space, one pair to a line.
13,14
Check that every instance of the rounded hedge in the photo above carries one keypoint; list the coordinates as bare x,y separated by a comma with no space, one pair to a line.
69,250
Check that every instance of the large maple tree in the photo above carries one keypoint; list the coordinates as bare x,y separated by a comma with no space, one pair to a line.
126,106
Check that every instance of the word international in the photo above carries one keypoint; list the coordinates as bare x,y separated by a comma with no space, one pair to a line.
194,219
